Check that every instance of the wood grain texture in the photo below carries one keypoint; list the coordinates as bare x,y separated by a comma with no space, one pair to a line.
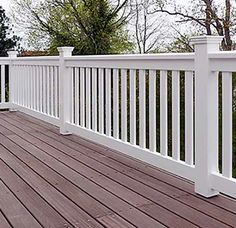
14,210
94,183
3,222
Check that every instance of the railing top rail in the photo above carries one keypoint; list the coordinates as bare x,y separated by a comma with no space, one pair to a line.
37,61
4,60
146,61
222,61
161,56
222,55
164,56
37,58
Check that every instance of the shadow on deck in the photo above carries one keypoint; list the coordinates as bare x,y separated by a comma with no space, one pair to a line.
49,180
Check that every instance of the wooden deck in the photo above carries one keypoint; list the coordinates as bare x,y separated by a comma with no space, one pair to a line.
49,180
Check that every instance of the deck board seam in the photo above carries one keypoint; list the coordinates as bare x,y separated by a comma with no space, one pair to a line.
8,221
149,185
76,186
156,169
32,188
55,130
19,199
47,182
129,188
79,187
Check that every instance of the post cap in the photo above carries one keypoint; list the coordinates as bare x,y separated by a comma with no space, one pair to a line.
65,51
12,54
206,39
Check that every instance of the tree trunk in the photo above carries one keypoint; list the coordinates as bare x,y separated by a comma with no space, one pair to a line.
228,44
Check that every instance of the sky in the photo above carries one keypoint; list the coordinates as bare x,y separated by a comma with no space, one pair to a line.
5,4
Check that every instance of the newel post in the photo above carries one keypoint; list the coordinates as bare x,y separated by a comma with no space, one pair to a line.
12,85
206,114
64,88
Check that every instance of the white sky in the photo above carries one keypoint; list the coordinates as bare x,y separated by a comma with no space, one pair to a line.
5,4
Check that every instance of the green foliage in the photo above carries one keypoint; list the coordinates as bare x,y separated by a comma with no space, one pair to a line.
92,27
180,44
7,40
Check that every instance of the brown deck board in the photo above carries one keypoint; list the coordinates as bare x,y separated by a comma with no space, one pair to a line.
70,211
192,201
3,222
133,214
89,204
96,185
16,213
114,221
226,203
124,209
44,213
181,196
159,198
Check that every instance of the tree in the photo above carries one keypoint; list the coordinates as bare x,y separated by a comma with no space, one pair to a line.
208,15
92,27
181,41
8,40
180,44
148,30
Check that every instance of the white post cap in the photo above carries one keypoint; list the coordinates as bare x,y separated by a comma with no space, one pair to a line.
12,54
206,39
65,51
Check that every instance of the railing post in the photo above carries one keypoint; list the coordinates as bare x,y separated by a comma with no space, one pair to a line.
206,115
64,88
12,86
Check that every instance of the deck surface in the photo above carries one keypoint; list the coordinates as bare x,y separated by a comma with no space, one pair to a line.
49,180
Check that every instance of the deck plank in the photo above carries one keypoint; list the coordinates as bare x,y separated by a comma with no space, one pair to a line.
99,186
128,211
89,204
114,221
3,221
122,158
181,196
173,219
224,202
16,213
41,210
163,187
76,216
159,198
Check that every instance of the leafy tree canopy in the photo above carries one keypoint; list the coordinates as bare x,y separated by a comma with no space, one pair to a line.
92,27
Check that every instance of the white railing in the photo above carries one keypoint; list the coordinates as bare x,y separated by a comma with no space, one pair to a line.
4,83
36,87
224,63
140,105
114,91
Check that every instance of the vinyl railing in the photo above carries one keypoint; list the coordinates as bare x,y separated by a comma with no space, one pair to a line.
162,108
116,100
36,87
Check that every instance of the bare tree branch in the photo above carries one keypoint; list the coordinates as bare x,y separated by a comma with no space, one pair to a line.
207,18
